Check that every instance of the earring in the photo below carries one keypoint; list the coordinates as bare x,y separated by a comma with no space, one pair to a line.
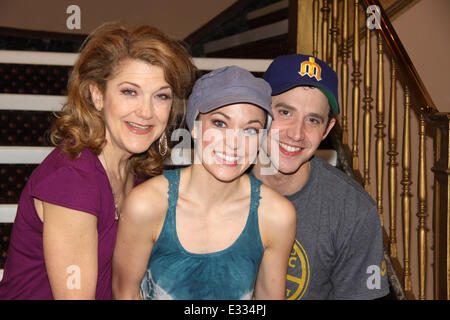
162,146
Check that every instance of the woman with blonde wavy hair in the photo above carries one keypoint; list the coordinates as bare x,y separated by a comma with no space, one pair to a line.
126,94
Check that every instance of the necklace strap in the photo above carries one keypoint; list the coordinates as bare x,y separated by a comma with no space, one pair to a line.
115,200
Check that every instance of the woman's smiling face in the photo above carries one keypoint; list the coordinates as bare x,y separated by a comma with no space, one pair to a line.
136,105
230,139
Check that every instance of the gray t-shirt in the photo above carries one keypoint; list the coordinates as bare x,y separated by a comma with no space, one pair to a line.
338,250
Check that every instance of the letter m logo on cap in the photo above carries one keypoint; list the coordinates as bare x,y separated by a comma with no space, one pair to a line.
311,68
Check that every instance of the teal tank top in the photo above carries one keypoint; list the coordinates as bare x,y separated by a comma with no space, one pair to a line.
229,274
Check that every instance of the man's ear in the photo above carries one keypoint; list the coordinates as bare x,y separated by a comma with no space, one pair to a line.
330,126
96,96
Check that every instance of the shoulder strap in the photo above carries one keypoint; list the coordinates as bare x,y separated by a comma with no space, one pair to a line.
253,231
173,177
255,193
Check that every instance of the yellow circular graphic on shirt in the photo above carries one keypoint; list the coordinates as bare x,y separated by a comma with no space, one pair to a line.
298,264
383,268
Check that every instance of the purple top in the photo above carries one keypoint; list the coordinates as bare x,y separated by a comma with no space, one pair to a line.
80,184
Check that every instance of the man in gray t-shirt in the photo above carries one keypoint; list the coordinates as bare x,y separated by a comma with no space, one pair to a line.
338,250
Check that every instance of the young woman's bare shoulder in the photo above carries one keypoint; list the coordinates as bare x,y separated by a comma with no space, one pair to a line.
275,208
272,199
147,200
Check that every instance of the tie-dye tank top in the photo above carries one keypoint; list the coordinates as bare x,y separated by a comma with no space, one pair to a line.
229,274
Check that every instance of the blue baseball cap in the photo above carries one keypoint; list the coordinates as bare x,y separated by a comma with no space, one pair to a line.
290,71
225,86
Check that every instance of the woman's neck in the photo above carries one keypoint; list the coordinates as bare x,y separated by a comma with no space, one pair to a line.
117,169
115,163
201,185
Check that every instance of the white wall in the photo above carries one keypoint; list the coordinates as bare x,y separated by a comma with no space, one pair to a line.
178,18
425,33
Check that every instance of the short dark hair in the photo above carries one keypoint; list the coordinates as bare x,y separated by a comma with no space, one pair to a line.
330,116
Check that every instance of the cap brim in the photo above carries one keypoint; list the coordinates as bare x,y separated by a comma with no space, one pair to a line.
228,100
331,99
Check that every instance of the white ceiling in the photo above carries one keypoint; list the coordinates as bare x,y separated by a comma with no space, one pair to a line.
179,18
